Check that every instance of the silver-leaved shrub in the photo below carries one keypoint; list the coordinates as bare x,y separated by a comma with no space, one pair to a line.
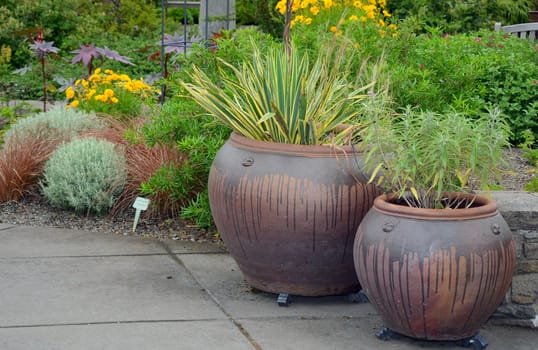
85,174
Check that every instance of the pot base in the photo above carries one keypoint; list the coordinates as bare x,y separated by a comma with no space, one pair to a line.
476,341
301,280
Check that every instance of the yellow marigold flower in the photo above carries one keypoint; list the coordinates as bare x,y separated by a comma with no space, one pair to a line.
97,71
308,20
128,87
353,18
372,2
77,82
114,100
124,77
95,78
109,92
357,4
370,8
73,104
69,93
334,29
100,98
328,4
386,13
90,93
281,7
382,23
140,85
85,83
392,27
109,71
314,10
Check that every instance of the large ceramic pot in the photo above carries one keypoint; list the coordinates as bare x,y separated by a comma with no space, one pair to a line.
435,274
288,214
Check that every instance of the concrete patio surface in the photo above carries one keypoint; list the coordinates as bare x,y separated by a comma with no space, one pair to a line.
66,289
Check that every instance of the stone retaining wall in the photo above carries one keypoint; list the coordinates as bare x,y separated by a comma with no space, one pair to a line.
520,210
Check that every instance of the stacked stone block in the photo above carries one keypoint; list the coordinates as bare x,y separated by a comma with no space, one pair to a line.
520,210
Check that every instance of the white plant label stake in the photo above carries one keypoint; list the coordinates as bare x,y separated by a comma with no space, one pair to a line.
139,204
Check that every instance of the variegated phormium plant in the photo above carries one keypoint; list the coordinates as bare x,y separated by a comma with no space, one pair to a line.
282,97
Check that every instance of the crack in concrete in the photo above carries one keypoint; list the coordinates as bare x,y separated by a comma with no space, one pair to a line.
97,323
236,323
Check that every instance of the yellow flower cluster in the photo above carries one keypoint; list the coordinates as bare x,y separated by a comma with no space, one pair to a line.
305,11
100,87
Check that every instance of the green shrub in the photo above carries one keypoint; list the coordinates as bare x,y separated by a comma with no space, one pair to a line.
177,15
131,17
72,22
65,122
532,186
19,20
456,16
198,210
199,138
529,148
466,72
261,13
233,48
85,174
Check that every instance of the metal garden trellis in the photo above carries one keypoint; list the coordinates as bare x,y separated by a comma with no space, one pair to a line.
206,24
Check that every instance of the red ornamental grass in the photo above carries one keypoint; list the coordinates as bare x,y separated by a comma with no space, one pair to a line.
142,163
21,165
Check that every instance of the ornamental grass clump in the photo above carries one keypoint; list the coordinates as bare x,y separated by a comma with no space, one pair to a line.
283,96
425,158
85,174
110,93
21,165
55,123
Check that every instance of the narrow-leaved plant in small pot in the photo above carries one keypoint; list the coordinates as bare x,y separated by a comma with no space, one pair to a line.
434,257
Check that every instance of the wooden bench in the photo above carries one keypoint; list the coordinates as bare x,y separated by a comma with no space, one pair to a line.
524,30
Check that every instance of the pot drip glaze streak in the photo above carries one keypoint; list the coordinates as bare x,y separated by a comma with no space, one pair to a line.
289,214
438,277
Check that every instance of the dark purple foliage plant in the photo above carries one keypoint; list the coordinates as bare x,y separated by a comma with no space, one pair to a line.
88,52
175,44
42,50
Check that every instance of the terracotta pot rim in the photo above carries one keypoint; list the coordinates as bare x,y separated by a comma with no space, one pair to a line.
487,207
292,149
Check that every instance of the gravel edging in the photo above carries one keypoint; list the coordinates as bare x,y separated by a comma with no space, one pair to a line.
35,211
